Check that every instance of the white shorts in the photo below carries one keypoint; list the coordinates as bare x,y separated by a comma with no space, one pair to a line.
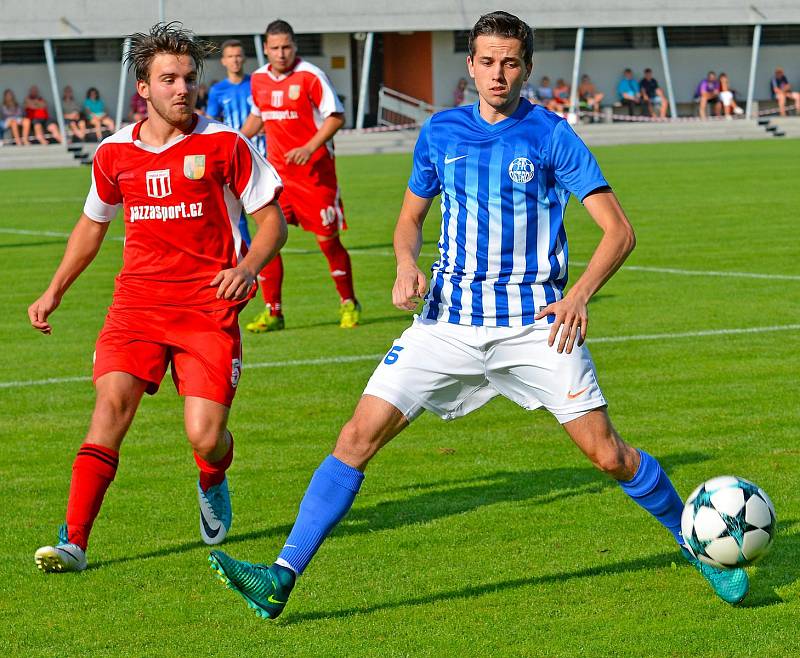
726,97
452,369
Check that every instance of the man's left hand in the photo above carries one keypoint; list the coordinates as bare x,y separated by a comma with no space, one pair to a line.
299,155
233,284
572,317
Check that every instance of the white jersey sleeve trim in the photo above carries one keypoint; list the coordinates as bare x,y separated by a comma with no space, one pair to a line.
264,184
95,208
330,103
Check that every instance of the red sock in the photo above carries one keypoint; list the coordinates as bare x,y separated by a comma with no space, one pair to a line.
92,471
339,265
213,474
271,278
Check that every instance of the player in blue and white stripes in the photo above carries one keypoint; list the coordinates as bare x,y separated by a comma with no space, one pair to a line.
231,102
496,319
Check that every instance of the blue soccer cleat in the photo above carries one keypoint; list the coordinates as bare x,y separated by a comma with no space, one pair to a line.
215,512
731,585
265,589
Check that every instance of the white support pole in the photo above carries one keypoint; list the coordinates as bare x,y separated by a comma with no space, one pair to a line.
363,88
259,50
51,71
662,46
751,83
161,11
576,69
123,81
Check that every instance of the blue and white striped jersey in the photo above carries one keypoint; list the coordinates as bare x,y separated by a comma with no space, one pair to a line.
232,104
504,189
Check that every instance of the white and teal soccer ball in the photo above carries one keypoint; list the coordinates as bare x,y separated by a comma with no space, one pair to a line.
728,522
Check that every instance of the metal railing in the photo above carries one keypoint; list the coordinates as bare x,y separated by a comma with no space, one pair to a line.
396,109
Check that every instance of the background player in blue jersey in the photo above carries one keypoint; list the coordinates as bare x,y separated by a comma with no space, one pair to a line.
230,101
496,320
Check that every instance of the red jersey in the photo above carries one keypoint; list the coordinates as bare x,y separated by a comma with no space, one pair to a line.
182,203
293,106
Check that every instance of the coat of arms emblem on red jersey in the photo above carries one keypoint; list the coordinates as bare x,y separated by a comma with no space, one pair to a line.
294,92
194,166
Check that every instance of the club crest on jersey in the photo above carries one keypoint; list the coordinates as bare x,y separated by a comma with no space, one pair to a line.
521,170
158,184
277,98
294,92
194,166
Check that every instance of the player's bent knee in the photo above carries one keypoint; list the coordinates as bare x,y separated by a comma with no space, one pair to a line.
358,442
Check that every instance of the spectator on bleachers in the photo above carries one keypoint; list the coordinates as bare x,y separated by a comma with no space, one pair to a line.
781,90
460,92
138,110
528,93
561,94
38,118
11,118
653,96
202,98
95,110
544,93
629,93
727,97
588,94
707,93
73,119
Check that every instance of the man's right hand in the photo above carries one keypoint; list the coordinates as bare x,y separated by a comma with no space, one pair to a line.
39,311
410,286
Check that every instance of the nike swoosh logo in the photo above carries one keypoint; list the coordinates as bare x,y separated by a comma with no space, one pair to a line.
572,395
272,599
450,160
210,532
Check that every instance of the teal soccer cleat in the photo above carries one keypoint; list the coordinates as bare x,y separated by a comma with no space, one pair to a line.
62,557
731,585
265,589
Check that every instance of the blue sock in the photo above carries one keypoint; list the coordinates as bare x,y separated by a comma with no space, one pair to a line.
244,230
652,489
329,496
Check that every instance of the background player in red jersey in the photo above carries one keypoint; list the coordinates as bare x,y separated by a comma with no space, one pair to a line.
300,112
182,181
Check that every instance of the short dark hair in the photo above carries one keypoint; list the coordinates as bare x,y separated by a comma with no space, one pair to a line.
168,38
503,24
279,27
648,70
230,43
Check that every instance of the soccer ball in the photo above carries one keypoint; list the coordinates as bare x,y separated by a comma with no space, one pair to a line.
728,522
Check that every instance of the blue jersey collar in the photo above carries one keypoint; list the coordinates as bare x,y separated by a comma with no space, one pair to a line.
521,111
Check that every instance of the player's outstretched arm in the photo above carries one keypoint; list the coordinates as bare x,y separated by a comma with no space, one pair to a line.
251,126
83,244
617,242
326,131
411,283
235,283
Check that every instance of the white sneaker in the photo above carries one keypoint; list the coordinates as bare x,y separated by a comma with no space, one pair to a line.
64,556
738,110
215,513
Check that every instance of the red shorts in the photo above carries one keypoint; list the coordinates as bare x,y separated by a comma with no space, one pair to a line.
203,347
311,199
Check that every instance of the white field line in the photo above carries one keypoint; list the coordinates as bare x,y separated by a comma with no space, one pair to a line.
374,357
388,253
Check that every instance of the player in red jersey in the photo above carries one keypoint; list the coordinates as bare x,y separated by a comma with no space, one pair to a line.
300,112
181,180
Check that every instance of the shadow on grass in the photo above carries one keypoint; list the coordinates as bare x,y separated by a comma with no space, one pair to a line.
660,561
449,498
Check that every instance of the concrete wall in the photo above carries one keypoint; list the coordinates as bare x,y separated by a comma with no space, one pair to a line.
105,76
688,66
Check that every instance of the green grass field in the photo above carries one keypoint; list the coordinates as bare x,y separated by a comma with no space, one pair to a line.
490,535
